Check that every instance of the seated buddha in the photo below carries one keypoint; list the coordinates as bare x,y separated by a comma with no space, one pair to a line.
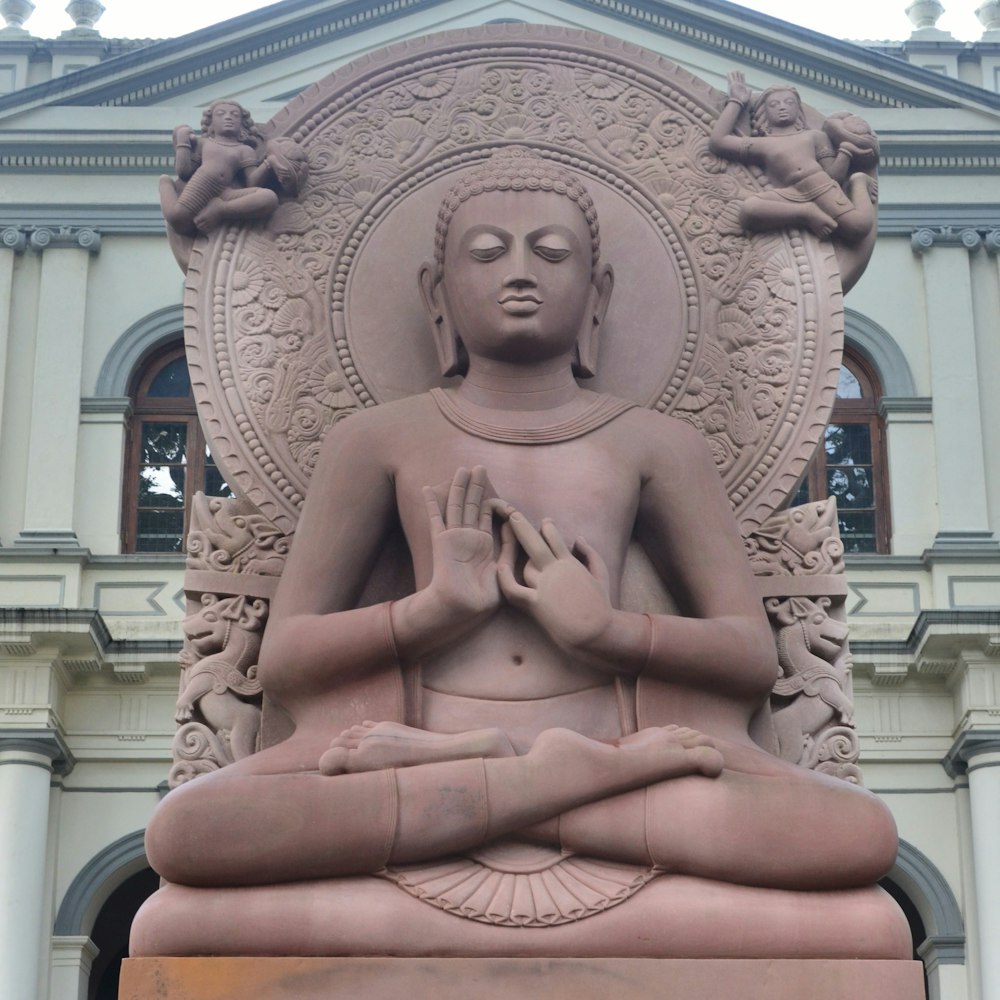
509,712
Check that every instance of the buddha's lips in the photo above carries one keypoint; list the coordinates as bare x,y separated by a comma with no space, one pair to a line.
520,305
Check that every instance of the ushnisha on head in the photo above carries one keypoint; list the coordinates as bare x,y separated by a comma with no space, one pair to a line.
519,239
248,131
760,121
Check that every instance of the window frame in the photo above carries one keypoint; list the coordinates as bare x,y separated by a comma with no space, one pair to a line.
864,411
159,409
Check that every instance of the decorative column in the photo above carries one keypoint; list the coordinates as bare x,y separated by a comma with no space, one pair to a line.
27,760
977,753
963,513
55,402
12,242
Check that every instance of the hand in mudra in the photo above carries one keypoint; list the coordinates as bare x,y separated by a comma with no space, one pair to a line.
566,591
464,575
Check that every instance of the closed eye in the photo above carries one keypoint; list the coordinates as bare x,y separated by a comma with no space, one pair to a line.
486,254
552,254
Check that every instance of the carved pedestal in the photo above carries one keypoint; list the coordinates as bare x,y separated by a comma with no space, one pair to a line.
500,978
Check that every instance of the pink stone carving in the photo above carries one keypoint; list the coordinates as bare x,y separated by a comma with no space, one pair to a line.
823,179
542,709
227,174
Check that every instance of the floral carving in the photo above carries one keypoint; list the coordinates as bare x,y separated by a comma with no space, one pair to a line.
633,123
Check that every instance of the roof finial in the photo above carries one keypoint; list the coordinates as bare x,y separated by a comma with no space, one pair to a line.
15,13
924,13
989,15
85,14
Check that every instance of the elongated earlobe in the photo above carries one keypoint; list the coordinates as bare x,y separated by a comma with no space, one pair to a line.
588,340
450,352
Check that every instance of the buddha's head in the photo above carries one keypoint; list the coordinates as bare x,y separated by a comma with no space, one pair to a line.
516,272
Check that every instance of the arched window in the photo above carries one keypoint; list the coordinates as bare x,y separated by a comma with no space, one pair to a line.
850,463
168,460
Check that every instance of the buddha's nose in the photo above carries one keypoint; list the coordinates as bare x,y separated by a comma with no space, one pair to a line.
520,273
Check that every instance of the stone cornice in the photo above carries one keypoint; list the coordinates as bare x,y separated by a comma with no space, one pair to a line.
967,746
45,742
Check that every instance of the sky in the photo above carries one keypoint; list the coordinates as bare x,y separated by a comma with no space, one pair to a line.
883,19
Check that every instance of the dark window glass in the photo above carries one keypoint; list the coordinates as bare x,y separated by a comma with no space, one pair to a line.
850,465
171,381
168,460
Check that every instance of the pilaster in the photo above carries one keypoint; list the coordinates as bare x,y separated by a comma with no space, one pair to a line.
12,242
27,761
49,519
72,958
977,754
963,510
909,431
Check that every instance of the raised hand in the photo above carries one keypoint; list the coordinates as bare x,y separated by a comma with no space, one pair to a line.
565,591
462,542
463,588
738,89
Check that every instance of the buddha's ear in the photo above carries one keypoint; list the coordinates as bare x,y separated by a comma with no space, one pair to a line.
588,340
451,354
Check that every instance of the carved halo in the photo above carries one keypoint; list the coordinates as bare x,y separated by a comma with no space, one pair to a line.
293,325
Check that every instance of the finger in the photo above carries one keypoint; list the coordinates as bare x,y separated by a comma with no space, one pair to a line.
508,547
536,548
456,499
592,560
554,540
474,497
433,510
489,508
515,593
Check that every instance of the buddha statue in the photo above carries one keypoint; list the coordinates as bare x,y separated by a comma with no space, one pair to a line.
510,715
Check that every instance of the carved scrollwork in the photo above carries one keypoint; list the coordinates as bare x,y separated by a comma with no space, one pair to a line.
802,541
220,695
811,706
231,536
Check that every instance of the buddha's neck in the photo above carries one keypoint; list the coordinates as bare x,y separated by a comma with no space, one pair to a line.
500,386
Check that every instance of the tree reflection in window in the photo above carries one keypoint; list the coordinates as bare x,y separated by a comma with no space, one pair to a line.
850,464
168,459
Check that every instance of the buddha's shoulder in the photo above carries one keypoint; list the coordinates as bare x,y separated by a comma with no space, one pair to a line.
658,441
388,414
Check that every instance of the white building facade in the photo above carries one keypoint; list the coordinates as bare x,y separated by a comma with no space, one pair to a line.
91,579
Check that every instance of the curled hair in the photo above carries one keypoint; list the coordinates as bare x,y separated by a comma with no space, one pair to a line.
514,169
248,131
758,116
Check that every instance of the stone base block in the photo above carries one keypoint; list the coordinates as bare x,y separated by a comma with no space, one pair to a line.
503,978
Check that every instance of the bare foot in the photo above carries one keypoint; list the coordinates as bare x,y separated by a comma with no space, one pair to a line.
862,181
646,757
374,746
210,217
817,221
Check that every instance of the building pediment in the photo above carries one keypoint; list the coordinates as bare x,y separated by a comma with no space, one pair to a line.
267,56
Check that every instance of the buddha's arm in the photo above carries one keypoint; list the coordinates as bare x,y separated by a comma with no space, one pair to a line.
316,638
720,640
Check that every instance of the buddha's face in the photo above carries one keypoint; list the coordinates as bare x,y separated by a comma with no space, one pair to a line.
517,282
782,108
